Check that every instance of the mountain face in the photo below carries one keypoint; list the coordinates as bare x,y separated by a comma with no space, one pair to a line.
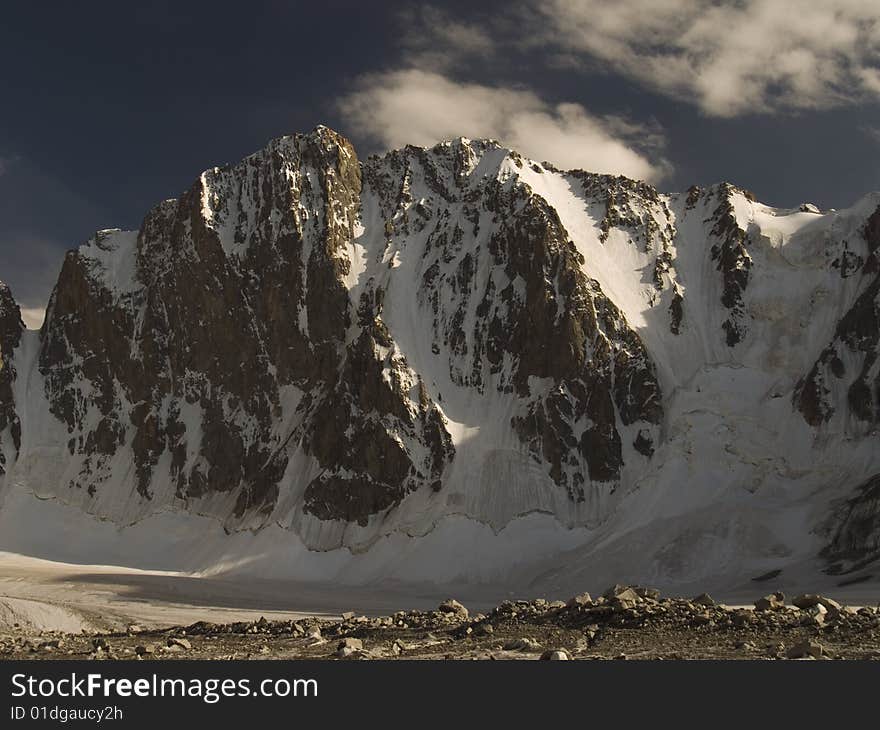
354,350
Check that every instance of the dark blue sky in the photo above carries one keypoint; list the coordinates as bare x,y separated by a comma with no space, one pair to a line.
110,107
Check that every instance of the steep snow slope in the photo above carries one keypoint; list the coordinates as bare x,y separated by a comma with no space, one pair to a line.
454,363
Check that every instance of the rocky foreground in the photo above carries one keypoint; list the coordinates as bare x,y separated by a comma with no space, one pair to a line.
627,622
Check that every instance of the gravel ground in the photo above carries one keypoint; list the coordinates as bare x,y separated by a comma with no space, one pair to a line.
625,623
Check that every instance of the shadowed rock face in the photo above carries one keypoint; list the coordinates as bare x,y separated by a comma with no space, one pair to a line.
360,424
845,383
241,336
239,295
733,262
854,530
505,290
11,327
856,341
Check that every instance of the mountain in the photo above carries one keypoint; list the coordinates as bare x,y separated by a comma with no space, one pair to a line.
451,363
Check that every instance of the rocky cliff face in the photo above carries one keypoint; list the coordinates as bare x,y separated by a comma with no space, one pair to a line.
845,379
510,310
223,336
854,530
11,328
353,349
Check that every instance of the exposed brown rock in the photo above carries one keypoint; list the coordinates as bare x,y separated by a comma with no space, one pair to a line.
538,317
857,333
11,328
224,334
854,530
733,261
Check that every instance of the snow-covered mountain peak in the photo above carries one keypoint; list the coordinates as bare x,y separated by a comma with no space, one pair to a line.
356,353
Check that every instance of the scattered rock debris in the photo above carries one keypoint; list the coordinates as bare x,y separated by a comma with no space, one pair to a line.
625,622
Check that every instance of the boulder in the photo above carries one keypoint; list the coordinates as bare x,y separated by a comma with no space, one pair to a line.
523,644
616,590
622,595
349,646
452,606
806,649
555,655
830,604
772,602
808,600
583,599
817,614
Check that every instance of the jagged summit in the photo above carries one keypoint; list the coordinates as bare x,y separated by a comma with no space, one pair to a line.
445,347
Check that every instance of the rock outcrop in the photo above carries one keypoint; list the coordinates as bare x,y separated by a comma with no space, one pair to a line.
850,363
226,315
11,328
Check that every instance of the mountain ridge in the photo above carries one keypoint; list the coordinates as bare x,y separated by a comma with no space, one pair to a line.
354,350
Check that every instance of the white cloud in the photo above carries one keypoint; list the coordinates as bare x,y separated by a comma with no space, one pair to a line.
729,58
33,317
422,108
